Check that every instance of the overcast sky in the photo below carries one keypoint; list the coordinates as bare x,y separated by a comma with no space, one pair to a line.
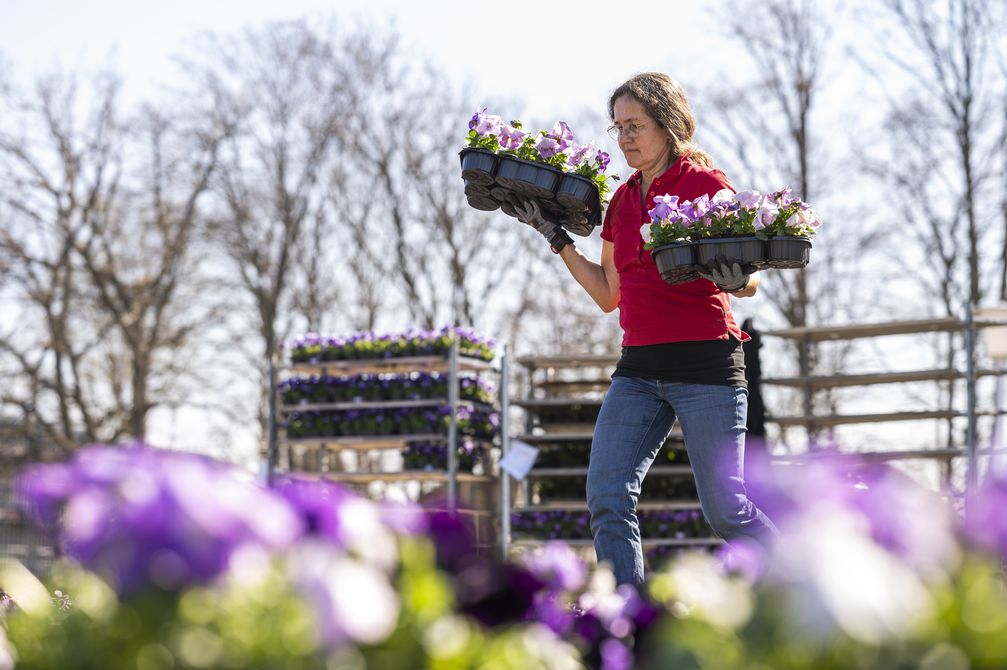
499,47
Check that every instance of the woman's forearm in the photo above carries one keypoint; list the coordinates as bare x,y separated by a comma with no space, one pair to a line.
602,286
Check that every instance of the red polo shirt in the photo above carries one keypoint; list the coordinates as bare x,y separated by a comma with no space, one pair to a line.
650,310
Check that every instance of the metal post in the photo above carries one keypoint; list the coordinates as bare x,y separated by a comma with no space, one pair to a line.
972,481
996,457
272,449
504,447
453,428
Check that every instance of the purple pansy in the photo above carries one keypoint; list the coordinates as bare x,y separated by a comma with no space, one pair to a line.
143,517
581,153
511,138
664,207
766,215
782,197
748,199
489,125
474,121
547,147
695,210
562,134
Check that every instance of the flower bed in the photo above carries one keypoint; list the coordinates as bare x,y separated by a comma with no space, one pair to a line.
502,166
563,455
571,525
431,456
380,388
172,560
572,413
655,487
477,423
315,348
574,454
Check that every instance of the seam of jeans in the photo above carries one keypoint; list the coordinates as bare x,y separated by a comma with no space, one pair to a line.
636,453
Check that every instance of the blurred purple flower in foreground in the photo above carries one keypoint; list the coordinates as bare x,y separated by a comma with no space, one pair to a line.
492,592
352,600
986,520
142,517
895,512
557,565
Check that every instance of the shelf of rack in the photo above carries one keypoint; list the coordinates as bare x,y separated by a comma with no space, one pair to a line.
657,470
555,386
389,366
581,506
578,428
377,404
552,382
407,476
576,436
367,442
583,436
534,403
304,454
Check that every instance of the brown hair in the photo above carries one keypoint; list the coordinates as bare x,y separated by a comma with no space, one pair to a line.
665,102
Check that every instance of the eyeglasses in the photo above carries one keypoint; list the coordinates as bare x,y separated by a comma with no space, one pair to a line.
629,132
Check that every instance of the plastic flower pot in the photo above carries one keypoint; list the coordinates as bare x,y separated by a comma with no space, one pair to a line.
748,251
675,262
577,193
478,166
788,252
527,179
498,193
577,223
483,203
552,210
473,189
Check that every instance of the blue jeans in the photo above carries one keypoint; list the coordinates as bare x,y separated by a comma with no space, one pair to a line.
634,421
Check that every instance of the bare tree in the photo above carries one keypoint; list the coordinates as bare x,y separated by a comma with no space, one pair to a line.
766,128
945,145
945,53
287,92
97,249
448,262
767,132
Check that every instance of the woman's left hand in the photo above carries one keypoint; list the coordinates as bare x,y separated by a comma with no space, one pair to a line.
729,277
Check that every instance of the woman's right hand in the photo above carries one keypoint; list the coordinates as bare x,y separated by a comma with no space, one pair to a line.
528,211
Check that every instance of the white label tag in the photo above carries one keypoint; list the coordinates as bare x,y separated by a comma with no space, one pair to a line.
519,459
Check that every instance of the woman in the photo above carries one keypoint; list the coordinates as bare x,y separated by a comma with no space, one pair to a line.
681,350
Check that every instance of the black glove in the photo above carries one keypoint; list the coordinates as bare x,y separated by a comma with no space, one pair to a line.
729,277
529,212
